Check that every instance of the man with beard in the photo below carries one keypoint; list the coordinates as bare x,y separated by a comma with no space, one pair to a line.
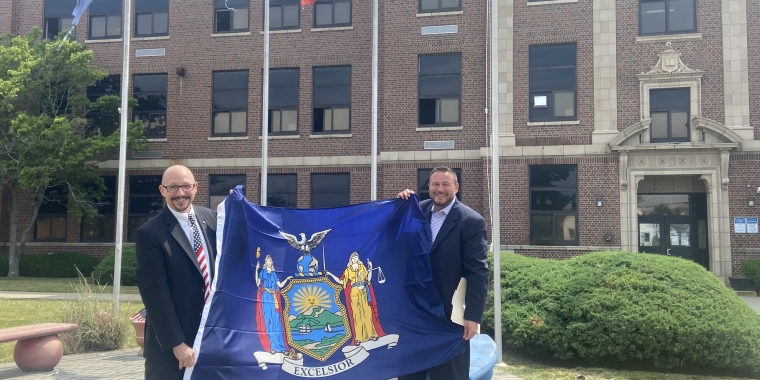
458,250
175,258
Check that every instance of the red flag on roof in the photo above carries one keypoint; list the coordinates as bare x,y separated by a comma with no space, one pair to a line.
307,2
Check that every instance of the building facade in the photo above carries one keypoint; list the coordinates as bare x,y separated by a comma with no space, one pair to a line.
623,124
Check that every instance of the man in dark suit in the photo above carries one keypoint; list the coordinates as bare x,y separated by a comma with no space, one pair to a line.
175,256
459,250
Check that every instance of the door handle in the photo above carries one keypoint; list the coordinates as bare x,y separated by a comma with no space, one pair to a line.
667,251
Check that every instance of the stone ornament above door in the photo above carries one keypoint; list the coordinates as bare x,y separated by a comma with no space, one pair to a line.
669,63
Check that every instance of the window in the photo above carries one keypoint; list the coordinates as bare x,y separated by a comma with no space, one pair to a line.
230,104
150,92
332,99
331,13
423,179
58,17
283,101
105,19
669,109
330,190
667,17
284,14
220,186
552,82
100,122
102,226
145,202
151,18
427,6
439,89
51,218
232,16
282,190
553,204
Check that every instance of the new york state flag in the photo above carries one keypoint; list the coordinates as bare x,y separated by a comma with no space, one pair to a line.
344,293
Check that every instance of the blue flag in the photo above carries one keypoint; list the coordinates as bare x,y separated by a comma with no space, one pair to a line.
344,293
79,10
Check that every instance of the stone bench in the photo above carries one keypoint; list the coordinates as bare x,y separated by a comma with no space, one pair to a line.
38,348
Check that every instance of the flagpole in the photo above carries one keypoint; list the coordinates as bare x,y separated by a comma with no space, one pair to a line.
495,158
122,157
265,110
375,27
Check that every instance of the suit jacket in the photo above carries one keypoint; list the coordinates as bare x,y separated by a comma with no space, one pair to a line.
460,250
170,282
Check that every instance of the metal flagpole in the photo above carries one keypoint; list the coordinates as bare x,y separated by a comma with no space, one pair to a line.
122,156
495,213
375,27
265,109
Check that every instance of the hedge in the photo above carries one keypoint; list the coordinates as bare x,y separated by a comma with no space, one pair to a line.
103,273
615,306
751,269
55,265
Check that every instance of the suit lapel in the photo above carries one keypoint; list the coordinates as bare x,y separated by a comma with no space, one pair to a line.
448,224
176,231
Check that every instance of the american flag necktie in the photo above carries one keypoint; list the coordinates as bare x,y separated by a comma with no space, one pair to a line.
200,256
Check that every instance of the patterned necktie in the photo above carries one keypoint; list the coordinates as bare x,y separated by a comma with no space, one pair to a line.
200,256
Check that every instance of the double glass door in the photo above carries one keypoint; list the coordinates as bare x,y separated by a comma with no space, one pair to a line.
669,235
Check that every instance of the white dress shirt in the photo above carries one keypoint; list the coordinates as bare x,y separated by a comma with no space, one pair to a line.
437,218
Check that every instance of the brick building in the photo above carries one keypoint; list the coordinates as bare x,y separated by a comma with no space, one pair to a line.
623,124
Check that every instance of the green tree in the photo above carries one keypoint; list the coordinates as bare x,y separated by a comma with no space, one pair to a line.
43,119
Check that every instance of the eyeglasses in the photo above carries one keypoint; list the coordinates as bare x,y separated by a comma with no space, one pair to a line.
175,188
445,185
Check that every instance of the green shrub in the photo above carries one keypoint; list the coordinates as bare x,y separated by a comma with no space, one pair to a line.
99,329
103,273
751,269
615,306
56,265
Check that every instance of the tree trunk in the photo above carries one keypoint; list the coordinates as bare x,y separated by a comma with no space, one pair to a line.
38,197
13,253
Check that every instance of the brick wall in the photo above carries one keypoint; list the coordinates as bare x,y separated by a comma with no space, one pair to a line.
6,16
635,58
554,24
743,171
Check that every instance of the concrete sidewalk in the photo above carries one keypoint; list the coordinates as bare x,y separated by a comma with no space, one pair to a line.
64,296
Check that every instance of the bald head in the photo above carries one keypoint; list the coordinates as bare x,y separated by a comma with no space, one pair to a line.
174,178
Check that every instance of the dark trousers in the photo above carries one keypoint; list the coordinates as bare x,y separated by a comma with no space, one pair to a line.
163,370
454,369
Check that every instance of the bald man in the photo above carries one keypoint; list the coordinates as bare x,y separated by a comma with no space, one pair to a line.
175,258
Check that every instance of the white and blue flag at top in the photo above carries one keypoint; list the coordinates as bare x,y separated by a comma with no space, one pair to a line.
79,10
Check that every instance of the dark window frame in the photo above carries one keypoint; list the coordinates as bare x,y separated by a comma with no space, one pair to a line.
423,183
108,197
333,24
438,108
59,21
667,20
284,108
655,108
137,112
246,9
229,110
153,24
224,191
331,106
131,215
106,15
552,213
280,6
440,7
294,195
551,93
96,116
313,193
44,214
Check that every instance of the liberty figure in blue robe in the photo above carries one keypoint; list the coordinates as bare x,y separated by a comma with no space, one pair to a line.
269,308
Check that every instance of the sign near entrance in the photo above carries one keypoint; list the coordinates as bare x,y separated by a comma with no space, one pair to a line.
751,225
740,225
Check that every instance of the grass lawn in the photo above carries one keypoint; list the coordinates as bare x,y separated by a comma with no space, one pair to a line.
52,285
24,312
536,369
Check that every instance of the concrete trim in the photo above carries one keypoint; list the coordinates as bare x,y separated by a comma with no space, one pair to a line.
158,140
735,63
228,138
549,2
332,29
281,137
605,66
548,123
230,34
433,129
434,14
669,38
103,41
331,135
505,79
283,31
156,38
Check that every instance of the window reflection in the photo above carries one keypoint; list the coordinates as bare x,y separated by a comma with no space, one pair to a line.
663,204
